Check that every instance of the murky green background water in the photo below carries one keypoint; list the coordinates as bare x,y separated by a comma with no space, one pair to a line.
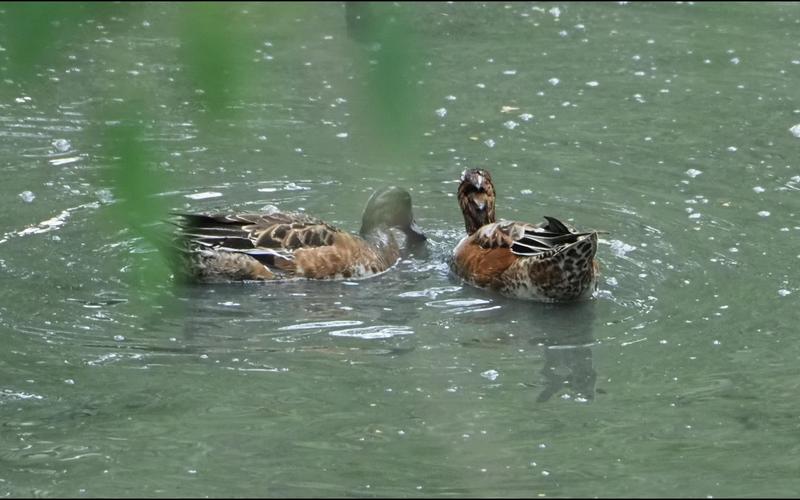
667,125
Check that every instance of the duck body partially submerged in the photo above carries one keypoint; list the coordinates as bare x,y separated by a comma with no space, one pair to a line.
285,245
548,262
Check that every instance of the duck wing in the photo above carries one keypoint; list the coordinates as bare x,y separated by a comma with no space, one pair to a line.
269,238
530,239
237,232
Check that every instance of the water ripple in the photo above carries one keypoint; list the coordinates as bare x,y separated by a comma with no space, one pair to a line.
321,324
374,332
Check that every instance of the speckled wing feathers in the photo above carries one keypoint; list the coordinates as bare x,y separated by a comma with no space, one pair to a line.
245,232
539,239
525,239
269,239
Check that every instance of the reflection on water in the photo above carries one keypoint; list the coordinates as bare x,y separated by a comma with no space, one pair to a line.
568,369
565,335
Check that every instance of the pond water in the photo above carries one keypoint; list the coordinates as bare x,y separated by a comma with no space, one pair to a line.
669,125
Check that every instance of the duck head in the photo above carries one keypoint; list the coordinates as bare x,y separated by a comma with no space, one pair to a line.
391,208
476,198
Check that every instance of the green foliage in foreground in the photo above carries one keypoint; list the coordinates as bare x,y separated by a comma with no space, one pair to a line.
212,48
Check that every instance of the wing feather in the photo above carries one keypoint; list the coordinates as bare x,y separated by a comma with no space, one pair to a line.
525,239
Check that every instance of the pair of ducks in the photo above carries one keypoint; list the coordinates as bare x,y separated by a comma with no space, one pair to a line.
549,261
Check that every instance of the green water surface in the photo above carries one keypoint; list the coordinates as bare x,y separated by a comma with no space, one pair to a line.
665,124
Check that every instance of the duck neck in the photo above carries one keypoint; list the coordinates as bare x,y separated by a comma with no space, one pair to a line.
477,207
385,241
474,219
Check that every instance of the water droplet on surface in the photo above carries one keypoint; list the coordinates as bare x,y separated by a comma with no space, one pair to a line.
693,172
620,248
104,195
62,145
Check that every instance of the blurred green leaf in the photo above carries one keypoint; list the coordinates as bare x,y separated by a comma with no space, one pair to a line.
136,181
213,52
32,31
29,32
390,118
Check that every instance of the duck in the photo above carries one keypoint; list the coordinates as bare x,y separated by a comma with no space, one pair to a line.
547,262
287,245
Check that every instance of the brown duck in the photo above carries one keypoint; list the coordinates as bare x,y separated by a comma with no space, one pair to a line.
547,262
279,246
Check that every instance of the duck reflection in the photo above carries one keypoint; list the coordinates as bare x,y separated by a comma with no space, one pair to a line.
565,332
567,339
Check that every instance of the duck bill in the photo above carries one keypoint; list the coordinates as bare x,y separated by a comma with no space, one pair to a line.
414,232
